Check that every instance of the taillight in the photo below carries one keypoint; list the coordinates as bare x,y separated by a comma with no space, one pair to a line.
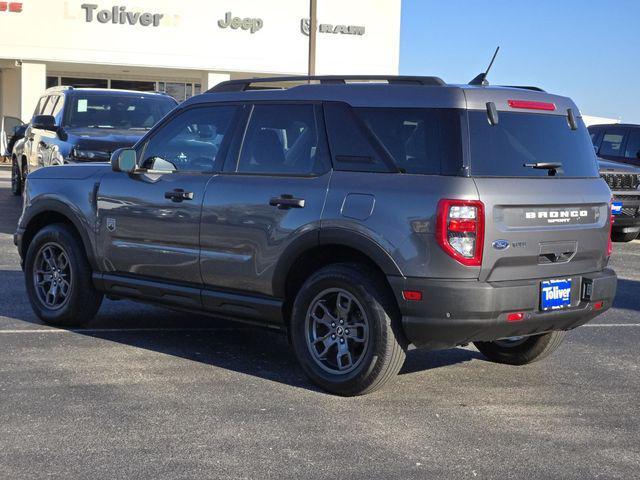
460,230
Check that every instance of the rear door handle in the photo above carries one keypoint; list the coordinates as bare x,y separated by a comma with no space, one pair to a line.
286,201
178,195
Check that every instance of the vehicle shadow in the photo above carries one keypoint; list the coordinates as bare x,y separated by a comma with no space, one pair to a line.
233,346
628,295
245,349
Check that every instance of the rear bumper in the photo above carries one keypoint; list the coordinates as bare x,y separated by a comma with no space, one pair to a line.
457,312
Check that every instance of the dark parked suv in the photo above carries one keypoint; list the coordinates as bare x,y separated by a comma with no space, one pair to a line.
624,181
71,125
359,218
618,146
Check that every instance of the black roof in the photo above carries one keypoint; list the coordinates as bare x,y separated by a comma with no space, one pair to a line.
379,91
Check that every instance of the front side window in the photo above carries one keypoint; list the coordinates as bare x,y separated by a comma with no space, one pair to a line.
192,141
113,111
281,139
612,143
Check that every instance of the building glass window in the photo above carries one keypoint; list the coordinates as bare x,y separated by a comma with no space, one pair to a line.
52,82
85,82
133,85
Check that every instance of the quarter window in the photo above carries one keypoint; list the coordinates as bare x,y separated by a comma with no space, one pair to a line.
281,139
612,143
192,141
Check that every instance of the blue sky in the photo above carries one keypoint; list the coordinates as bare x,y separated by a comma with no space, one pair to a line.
586,49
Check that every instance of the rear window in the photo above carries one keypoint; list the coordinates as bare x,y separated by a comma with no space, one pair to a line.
502,150
419,140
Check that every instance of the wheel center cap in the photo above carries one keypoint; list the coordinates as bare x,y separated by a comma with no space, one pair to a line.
340,330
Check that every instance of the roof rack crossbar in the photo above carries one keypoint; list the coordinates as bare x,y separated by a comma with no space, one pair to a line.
245,84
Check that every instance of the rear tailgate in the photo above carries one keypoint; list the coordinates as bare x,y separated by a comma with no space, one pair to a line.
547,210
543,228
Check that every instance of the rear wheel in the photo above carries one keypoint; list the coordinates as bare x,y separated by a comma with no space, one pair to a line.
623,237
521,350
345,330
16,178
58,278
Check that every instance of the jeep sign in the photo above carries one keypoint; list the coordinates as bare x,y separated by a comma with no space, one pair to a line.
251,24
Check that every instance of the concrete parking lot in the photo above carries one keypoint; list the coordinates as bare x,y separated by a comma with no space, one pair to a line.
149,393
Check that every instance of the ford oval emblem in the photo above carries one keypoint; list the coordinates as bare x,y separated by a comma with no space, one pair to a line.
500,244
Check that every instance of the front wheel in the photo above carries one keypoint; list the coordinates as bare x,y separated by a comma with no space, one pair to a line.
58,278
16,178
521,350
345,330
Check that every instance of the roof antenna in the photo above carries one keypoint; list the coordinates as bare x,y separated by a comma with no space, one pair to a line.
481,79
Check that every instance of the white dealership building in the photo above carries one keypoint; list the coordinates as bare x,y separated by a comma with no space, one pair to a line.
184,47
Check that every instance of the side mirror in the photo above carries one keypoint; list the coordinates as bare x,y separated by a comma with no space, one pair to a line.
44,122
124,160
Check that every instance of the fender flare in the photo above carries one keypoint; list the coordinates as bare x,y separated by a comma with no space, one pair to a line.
331,236
70,212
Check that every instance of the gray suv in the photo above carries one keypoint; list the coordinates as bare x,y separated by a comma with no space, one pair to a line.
359,217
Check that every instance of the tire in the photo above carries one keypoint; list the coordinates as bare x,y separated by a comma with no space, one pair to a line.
16,178
46,265
523,350
623,237
375,343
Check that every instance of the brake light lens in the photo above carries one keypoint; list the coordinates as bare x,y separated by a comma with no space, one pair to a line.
460,230
531,105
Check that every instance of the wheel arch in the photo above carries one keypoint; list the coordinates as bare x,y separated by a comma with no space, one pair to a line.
320,248
49,212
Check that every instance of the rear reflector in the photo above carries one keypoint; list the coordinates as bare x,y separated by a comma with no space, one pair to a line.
531,105
515,317
412,295
598,305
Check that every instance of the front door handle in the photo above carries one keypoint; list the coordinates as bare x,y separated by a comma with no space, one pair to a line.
285,201
178,195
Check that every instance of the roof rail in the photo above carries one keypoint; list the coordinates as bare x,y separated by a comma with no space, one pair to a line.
524,87
245,84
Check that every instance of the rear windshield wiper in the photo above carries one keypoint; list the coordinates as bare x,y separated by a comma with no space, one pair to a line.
544,165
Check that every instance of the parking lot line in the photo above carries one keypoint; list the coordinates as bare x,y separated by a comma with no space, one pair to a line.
115,330
210,329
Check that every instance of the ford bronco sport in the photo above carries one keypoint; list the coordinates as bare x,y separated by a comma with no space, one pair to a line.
359,217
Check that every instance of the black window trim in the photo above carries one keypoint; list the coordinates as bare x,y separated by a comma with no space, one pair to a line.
232,162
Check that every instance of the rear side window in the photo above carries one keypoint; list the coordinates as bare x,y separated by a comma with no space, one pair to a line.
282,139
612,143
419,140
502,150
